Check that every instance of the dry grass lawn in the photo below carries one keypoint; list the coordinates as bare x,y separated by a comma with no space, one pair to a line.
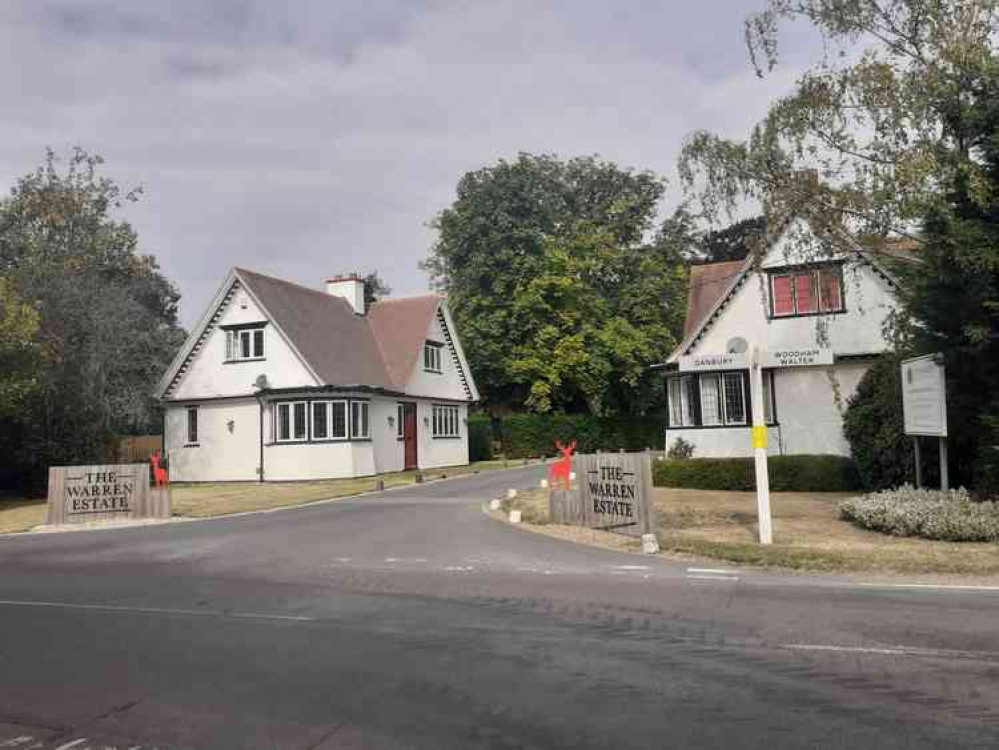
808,535
225,498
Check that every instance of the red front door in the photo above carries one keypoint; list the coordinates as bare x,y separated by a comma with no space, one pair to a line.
409,434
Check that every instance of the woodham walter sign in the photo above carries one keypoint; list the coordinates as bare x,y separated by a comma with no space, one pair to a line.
800,357
78,494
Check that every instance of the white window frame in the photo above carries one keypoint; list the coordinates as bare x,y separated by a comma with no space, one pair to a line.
433,359
446,422
768,397
360,420
328,406
234,339
818,292
713,379
292,422
742,397
681,408
191,411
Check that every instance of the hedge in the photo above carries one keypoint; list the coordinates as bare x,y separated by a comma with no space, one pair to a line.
787,474
480,438
525,435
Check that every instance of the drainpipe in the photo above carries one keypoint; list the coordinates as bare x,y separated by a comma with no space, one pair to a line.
260,471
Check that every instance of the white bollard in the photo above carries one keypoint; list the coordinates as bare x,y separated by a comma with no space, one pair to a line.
511,494
494,504
514,516
544,484
650,545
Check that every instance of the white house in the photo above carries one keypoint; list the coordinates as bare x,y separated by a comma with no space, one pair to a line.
793,299
281,382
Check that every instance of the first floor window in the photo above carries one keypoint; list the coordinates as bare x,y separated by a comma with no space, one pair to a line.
359,428
432,357
292,420
192,425
445,421
806,291
715,399
244,343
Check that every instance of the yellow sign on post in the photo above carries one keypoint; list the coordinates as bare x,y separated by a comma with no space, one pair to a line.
759,436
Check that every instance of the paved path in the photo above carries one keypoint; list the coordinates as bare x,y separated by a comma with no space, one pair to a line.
409,619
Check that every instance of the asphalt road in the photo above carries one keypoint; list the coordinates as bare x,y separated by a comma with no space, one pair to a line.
409,619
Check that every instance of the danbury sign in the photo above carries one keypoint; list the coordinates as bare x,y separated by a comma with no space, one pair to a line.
78,494
698,362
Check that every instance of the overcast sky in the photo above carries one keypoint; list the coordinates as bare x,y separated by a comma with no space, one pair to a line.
305,139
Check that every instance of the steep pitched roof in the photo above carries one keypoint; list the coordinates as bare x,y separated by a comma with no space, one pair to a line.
707,284
340,348
338,345
400,328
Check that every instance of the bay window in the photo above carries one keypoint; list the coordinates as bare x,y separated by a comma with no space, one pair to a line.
291,422
359,428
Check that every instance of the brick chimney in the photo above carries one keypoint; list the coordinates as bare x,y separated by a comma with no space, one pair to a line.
350,288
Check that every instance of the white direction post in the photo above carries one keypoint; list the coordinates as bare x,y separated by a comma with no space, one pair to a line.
759,433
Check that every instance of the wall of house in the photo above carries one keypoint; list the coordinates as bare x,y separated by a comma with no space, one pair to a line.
868,301
209,375
443,385
388,448
809,403
437,452
222,453
299,461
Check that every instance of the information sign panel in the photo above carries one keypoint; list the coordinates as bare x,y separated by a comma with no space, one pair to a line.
924,401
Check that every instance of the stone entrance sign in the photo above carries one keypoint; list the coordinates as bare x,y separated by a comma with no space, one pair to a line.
614,494
78,494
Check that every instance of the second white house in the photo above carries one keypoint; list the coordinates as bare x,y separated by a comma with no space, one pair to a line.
282,382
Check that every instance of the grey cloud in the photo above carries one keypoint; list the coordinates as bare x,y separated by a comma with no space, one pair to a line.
308,138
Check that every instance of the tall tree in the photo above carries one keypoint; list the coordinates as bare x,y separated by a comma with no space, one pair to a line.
560,297
375,288
20,353
890,133
733,242
107,317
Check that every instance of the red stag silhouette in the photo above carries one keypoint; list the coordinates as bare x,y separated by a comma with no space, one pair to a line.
562,468
159,475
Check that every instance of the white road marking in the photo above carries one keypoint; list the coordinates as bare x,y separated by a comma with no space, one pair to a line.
896,651
705,577
630,567
458,568
939,586
154,610
715,571
74,743
344,559
405,559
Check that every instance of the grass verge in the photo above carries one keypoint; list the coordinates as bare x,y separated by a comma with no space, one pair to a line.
208,500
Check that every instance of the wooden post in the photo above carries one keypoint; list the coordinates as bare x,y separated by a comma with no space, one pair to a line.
759,439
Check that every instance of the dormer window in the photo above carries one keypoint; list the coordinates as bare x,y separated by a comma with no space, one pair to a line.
806,291
432,360
244,342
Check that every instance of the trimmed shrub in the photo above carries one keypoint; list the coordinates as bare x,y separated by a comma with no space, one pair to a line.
950,516
480,438
525,435
787,474
873,425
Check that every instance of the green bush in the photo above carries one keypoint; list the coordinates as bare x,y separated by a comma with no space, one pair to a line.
480,438
932,514
525,435
873,426
787,474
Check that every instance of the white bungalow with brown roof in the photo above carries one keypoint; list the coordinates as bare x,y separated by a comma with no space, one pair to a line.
281,382
778,304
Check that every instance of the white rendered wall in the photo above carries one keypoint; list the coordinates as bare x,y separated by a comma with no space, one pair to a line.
436,452
221,454
388,448
809,403
443,385
209,375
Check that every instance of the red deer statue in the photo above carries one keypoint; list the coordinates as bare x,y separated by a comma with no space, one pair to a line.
562,468
160,475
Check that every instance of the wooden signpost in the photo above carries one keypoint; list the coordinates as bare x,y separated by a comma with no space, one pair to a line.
79,494
614,494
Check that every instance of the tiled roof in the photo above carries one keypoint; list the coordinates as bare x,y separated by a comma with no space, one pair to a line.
377,350
707,284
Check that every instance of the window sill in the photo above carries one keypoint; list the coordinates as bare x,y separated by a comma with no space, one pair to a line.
248,359
433,372
447,437
192,445
771,316
719,426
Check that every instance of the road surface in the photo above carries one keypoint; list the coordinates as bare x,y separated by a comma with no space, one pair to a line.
409,619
